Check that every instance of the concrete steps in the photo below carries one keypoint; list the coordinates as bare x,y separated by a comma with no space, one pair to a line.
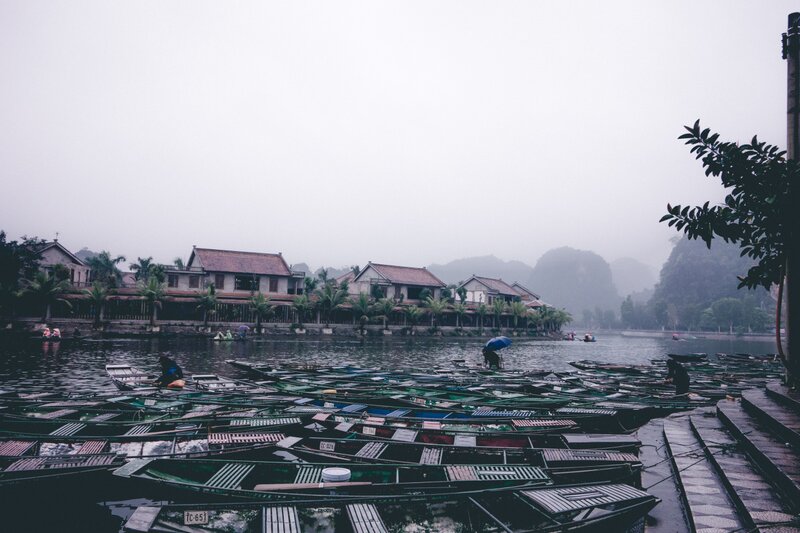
783,394
709,507
777,460
760,505
782,420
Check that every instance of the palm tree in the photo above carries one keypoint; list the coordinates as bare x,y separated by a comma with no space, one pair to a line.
303,305
561,317
98,295
413,314
141,268
207,302
384,307
153,292
310,285
534,318
261,307
462,294
482,310
47,290
179,264
519,310
105,269
436,307
323,275
330,298
498,308
460,310
362,309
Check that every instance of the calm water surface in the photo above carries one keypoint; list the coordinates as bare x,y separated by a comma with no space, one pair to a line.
78,365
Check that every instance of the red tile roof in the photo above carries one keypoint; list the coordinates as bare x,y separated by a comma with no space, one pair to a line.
497,285
240,262
347,276
524,291
407,275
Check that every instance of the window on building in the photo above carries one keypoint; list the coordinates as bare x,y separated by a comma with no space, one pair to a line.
414,292
194,282
172,280
245,283
273,284
219,281
397,292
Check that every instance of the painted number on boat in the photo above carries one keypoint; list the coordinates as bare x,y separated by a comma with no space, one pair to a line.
327,446
193,518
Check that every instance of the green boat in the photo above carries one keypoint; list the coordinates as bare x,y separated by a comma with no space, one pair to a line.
256,480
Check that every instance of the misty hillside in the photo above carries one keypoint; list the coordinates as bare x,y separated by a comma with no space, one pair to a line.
631,276
694,277
85,253
576,280
488,266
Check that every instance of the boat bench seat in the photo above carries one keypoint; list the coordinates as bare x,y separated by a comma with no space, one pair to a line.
308,474
281,519
104,417
230,476
244,438
431,456
91,447
568,499
364,518
68,430
141,429
371,450
543,423
15,448
494,472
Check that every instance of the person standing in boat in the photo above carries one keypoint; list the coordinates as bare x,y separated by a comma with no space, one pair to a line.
490,358
678,375
170,371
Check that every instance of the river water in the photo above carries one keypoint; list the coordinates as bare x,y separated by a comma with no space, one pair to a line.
79,366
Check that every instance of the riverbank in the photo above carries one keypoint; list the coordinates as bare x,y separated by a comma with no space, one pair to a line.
72,327
690,335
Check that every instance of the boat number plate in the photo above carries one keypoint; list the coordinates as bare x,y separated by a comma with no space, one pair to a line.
193,518
149,402
327,446
368,431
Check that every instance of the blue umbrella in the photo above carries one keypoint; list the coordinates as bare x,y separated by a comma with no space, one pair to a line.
498,343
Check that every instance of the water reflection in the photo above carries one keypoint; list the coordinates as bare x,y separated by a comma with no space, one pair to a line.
78,365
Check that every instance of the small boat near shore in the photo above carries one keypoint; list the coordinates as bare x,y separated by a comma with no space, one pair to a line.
593,507
688,357
261,480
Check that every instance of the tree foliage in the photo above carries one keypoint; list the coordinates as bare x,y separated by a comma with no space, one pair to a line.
754,214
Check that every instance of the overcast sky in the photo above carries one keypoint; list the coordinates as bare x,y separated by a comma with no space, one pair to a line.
403,132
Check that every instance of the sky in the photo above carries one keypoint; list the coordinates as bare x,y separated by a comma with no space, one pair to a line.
397,132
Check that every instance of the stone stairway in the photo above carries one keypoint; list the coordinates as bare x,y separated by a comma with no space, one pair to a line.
738,465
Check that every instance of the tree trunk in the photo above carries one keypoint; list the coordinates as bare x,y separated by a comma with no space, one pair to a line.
47,312
792,54
154,315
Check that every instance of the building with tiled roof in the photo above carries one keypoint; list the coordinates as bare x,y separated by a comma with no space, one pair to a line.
487,290
399,282
235,272
54,253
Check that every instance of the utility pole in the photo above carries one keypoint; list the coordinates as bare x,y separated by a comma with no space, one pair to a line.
791,52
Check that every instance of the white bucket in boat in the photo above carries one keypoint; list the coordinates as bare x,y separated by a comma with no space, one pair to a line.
335,474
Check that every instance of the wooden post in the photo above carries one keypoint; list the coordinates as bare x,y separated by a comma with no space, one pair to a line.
791,52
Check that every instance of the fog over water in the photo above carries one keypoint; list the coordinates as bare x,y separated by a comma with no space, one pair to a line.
342,132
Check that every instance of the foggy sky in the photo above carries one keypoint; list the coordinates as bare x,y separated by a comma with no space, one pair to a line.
405,132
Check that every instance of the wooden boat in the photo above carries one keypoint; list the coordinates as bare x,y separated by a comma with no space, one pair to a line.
126,377
101,428
28,470
261,480
597,507
371,451
240,444
687,357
